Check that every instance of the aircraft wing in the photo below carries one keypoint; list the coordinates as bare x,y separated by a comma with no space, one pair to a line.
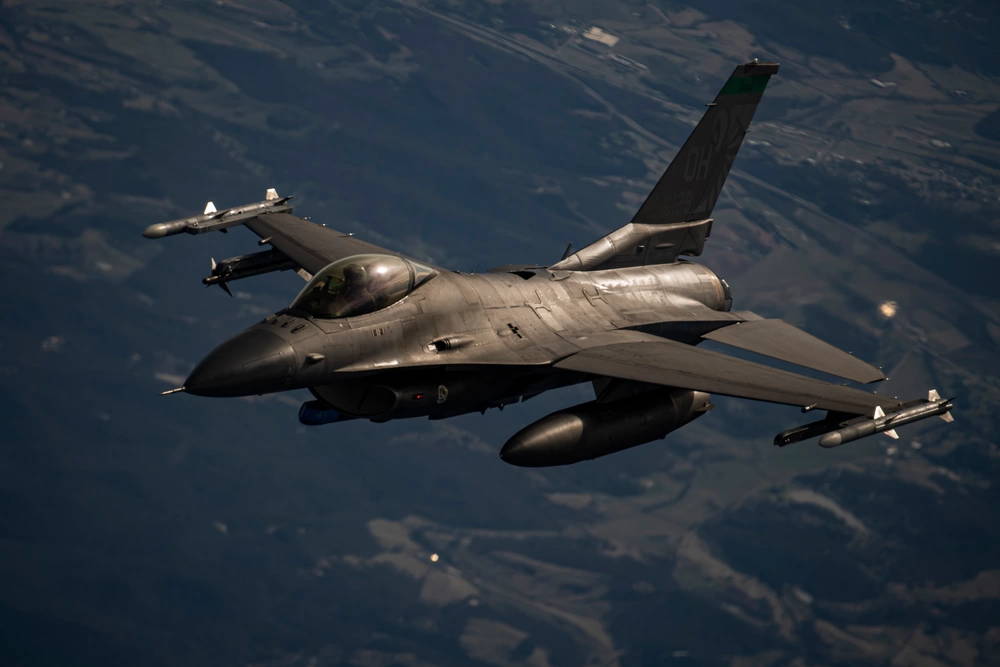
780,340
295,243
647,358
309,245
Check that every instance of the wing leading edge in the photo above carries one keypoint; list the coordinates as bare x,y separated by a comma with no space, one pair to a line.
296,243
310,246
666,362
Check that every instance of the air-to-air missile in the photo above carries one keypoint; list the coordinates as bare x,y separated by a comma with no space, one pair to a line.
213,220
839,429
886,423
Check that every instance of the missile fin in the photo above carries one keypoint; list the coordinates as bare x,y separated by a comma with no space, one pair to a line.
933,397
271,194
209,208
892,433
879,412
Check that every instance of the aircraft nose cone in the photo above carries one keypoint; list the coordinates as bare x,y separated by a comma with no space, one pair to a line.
254,362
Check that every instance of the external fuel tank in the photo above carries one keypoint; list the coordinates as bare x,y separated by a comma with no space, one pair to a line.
594,429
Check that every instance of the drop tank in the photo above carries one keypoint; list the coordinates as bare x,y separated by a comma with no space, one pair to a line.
594,429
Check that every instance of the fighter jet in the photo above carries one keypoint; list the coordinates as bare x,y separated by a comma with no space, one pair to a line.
378,335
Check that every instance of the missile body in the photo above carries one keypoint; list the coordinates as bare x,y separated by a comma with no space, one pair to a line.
866,427
213,220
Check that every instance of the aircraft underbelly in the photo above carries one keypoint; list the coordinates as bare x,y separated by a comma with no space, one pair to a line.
438,392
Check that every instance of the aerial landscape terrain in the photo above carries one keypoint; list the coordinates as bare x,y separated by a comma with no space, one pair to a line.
864,207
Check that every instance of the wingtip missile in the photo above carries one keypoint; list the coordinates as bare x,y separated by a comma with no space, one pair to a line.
882,422
175,390
213,219
161,229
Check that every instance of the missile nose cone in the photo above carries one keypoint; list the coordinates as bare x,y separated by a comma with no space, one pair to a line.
161,229
254,362
834,439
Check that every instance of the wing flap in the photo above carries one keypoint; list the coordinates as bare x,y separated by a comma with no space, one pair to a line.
667,362
780,340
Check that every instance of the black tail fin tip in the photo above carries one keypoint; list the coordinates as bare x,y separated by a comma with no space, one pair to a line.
691,184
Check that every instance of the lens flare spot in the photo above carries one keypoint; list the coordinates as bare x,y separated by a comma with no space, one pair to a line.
888,309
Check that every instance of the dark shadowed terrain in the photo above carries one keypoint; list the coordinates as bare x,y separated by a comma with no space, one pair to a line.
864,207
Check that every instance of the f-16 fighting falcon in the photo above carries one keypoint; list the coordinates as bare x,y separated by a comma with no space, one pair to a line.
378,335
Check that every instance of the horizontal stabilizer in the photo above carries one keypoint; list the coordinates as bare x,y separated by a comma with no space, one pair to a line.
667,362
780,340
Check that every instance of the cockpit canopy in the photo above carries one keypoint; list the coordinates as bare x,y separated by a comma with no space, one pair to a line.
360,284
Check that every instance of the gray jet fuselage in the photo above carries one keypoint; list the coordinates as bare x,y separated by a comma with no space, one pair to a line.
377,335
425,354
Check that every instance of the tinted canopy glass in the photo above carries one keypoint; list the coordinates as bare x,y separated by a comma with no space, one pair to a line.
360,284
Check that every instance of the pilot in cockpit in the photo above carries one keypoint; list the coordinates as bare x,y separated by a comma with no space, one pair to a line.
360,284
357,294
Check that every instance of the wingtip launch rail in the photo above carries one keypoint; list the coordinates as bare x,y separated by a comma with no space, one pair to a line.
839,428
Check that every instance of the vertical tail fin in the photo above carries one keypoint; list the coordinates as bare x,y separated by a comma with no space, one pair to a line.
691,184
